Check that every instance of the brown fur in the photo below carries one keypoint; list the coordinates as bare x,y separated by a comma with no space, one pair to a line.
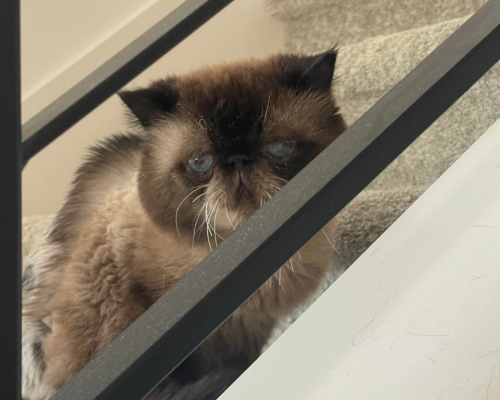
128,230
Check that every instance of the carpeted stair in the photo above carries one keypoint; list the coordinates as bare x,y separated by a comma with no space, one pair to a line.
380,41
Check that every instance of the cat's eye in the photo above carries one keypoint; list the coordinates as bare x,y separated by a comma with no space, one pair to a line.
200,165
279,150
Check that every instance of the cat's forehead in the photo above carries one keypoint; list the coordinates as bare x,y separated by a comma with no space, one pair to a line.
229,92
251,100
246,75
229,102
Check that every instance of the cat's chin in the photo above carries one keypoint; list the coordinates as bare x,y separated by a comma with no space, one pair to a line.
230,217
245,208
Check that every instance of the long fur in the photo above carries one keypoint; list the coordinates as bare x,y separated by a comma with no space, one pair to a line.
138,217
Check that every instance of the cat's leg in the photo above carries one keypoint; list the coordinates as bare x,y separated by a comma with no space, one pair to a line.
33,361
66,350
75,323
96,302
237,343
42,273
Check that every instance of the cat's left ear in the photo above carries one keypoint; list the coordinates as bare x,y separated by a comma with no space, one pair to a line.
310,73
150,105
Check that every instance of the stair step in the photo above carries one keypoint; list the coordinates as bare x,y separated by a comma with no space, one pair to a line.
369,69
311,23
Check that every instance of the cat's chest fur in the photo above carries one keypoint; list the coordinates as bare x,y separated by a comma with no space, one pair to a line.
123,263
123,258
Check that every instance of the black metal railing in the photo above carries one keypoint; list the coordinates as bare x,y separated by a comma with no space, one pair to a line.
10,201
176,324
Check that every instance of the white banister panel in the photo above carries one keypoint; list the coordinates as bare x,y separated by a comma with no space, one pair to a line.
417,316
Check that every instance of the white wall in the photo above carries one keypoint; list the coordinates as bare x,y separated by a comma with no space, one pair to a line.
63,45
57,33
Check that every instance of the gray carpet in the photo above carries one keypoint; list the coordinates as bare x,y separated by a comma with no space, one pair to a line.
312,24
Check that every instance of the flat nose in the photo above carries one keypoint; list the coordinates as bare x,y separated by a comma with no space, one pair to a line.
239,161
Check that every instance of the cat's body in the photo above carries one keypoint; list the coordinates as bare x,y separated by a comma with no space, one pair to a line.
131,226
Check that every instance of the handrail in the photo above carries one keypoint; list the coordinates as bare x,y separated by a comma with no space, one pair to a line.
177,323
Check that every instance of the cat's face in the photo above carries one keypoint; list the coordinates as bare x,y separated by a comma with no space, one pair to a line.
223,140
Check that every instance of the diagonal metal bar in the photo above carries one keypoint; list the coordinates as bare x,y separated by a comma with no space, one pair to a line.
173,327
10,201
77,102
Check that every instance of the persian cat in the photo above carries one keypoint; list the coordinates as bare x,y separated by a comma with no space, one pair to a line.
205,150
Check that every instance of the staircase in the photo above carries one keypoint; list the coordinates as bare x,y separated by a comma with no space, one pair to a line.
380,41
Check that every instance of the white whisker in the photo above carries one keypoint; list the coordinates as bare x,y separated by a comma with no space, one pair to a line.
215,226
300,258
209,230
267,108
204,126
268,195
229,219
208,238
291,264
212,213
180,204
201,195
196,222
199,228
209,227
216,209
329,241
281,179
215,205
279,277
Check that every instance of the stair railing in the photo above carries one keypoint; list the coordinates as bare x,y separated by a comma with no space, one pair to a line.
176,324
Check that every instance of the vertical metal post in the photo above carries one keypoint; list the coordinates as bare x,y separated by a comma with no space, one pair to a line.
10,201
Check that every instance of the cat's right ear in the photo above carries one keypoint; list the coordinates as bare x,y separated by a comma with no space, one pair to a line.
313,73
149,105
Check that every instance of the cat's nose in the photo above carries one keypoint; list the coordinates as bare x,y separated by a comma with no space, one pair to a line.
239,160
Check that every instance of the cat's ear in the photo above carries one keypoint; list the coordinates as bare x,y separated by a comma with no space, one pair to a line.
310,73
149,105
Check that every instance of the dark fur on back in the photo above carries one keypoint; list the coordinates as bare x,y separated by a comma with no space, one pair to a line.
209,387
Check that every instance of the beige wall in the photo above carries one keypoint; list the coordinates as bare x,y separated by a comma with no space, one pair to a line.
76,39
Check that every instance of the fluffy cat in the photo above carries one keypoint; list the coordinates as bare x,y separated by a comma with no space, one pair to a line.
209,149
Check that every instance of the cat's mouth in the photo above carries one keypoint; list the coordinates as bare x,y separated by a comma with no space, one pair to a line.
241,187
